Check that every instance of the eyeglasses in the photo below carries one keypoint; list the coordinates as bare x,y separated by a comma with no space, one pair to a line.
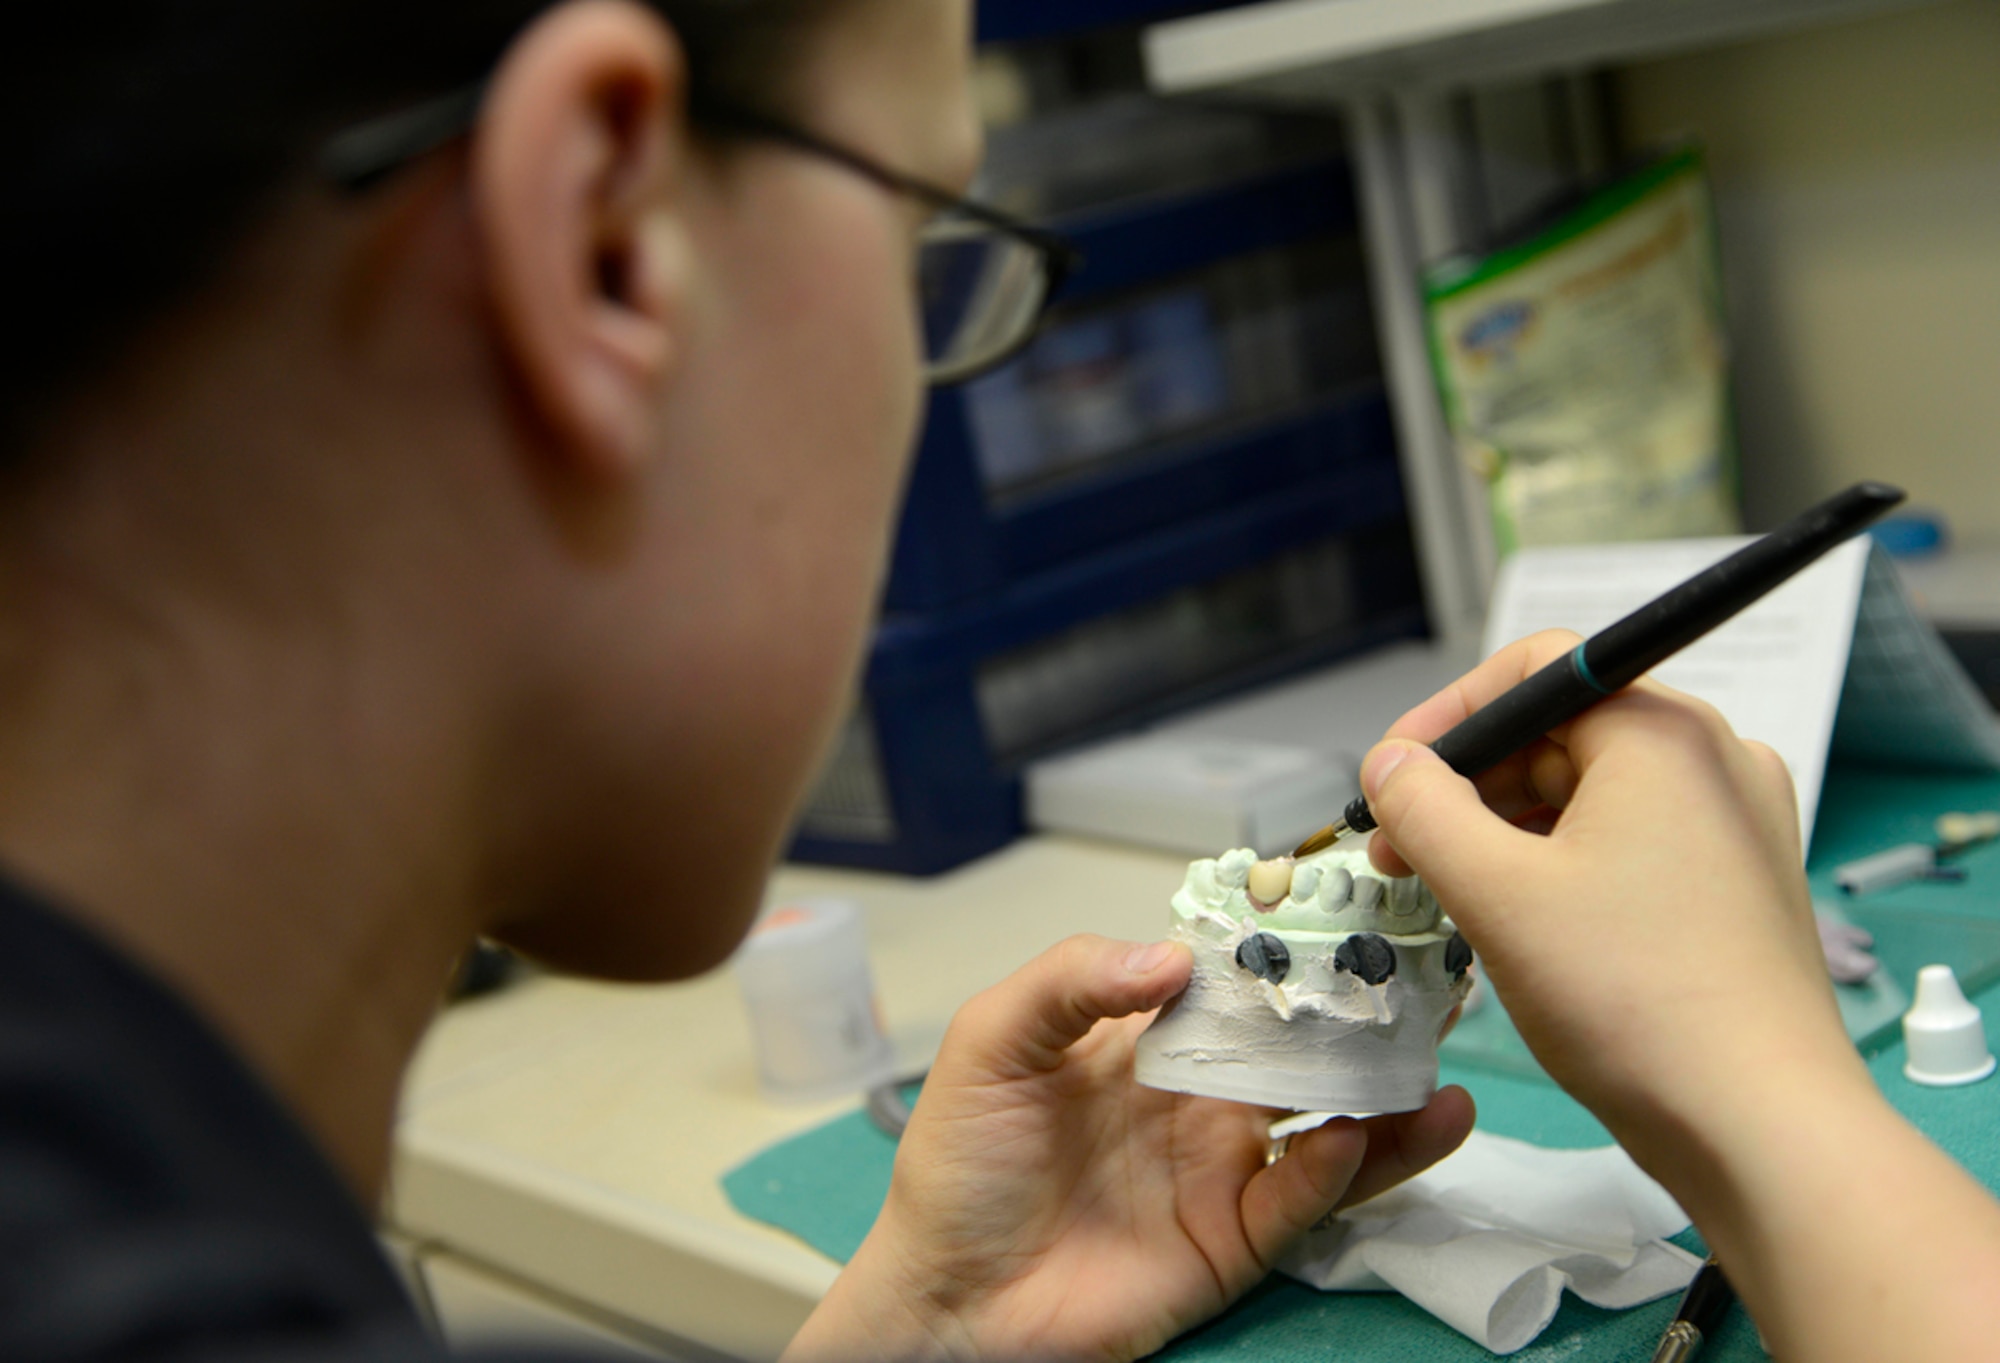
984,278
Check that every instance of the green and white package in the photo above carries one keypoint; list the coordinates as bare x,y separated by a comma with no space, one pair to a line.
1584,370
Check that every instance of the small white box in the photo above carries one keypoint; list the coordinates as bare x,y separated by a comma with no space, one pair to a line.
1189,794
1263,770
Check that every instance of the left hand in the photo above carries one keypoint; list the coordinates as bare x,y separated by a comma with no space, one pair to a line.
1044,1205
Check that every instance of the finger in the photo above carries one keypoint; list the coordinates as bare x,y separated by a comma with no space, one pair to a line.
1483,685
1508,788
1495,677
1527,790
1774,773
1542,820
1382,854
1512,787
1650,718
1780,802
1027,1021
1284,1199
1402,1145
1552,775
1436,822
1658,748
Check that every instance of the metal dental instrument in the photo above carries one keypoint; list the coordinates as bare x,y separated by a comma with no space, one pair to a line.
1708,1300
1618,655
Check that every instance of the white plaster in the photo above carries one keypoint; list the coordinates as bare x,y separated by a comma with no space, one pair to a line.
1320,1039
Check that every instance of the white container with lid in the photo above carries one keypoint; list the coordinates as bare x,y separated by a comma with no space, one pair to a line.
813,1014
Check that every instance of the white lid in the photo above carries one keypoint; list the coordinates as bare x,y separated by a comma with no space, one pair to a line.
811,944
1944,1033
792,924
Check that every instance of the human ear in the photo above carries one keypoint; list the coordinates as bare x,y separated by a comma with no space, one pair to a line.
581,146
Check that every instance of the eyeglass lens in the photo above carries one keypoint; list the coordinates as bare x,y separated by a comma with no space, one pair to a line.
981,293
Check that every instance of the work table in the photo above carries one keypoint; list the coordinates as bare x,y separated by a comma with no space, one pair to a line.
571,1135
559,1155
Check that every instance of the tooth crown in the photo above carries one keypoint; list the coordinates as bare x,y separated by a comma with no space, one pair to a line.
1334,893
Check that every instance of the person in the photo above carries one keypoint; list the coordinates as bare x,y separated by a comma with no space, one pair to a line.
444,494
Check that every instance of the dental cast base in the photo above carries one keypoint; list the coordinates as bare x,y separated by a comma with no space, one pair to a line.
1319,985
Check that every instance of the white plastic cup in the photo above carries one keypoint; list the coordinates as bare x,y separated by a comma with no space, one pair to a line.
1943,1033
813,1015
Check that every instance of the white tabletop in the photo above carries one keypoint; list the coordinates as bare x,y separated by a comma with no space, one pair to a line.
573,1134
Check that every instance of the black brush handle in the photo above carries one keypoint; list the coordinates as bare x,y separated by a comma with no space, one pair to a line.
1619,654
1509,723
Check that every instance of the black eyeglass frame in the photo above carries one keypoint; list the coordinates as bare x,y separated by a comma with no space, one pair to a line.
358,158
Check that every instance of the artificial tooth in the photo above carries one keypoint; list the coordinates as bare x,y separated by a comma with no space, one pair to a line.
1270,881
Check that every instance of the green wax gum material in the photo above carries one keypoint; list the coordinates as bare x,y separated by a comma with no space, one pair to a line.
1290,917
1310,939
1327,913
1305,940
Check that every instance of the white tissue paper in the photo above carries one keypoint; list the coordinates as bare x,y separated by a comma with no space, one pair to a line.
1487,1239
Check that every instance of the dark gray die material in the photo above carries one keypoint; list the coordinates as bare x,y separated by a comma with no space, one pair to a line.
1265,957
1367,954
1457,956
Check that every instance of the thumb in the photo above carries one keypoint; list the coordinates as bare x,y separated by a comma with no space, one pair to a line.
1028,1020
1435,819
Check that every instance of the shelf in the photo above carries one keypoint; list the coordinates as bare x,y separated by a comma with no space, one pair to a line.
956,541
955,544
1159,487
1325,50
1142,240
911,650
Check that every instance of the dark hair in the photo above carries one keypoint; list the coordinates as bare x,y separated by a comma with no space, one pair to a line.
146,136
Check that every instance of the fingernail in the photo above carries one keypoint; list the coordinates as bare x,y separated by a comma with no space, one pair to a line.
1144,960
1380,763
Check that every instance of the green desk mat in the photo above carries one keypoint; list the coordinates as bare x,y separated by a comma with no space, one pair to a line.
1862,810
826,1185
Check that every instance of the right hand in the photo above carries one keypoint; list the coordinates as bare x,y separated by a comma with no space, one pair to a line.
1633,886
1656,948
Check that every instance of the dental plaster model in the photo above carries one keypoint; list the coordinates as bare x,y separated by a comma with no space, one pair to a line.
1319,985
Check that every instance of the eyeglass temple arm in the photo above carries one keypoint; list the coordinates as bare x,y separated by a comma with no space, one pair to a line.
362,156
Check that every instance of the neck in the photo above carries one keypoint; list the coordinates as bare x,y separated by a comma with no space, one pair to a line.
252,805
260,659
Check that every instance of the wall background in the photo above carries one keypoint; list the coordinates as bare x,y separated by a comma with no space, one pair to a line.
1857,177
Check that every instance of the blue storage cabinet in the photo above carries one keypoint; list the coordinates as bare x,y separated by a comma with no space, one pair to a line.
1022,618
923,782
956,540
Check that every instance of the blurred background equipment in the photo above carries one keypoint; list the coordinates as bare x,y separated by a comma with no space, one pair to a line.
1853,151
1954,585
1227,458
1186,485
